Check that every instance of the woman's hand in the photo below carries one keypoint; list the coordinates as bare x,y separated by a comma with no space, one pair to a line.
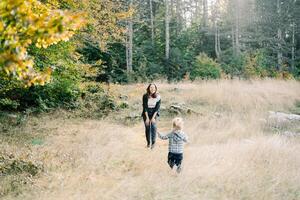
147,121
153,120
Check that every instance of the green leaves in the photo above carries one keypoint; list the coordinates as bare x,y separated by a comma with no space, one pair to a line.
23,23
205,68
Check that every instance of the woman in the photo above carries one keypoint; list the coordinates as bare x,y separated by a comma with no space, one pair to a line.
151,105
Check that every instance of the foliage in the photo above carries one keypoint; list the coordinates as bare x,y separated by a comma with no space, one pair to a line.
232,65
8,104
256,65
104,17
14,166
62,91
15,172
98,51
205,68
29,22
97,102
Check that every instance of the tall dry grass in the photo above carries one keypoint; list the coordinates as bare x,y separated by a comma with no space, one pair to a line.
231,154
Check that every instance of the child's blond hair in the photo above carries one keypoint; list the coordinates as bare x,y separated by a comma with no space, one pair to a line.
177,123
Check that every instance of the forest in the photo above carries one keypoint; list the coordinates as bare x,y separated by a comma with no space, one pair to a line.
49,48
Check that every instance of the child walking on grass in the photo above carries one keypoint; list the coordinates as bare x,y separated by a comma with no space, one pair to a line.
177,138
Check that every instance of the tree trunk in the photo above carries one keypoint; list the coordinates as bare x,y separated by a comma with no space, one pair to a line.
279,37
232,40
130,34
167,31
183,15
237,28
197,11
127,49
293,48
172,9
129,43
152,23
178,16
216,40
219,42
217,31
205,13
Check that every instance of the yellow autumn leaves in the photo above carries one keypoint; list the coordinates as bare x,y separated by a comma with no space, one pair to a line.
105,17
29,22
26,22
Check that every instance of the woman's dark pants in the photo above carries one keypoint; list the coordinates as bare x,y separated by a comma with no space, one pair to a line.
150,131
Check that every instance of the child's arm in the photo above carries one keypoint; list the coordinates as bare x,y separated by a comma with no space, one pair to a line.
185,138
163,137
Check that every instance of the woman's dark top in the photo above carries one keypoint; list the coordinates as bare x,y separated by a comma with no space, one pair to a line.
150,105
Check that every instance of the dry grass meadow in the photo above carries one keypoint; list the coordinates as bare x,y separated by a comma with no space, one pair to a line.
234,151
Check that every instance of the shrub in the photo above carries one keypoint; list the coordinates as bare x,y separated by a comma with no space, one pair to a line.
8,104
232,65
205,68
61,91
257,65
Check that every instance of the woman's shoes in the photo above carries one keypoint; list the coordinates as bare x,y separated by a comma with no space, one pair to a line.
178,170
152,146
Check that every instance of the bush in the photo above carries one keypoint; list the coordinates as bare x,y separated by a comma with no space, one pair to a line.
8,104
16,172
205,68
97,105
94,88
61,91
232,65
257,65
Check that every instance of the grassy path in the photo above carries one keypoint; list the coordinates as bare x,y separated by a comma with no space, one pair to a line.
231,154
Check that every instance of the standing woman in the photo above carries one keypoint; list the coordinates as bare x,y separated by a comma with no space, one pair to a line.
151,105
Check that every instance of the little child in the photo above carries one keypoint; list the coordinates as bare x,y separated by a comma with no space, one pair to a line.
176,141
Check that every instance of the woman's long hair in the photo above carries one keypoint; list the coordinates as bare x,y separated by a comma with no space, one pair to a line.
154,95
